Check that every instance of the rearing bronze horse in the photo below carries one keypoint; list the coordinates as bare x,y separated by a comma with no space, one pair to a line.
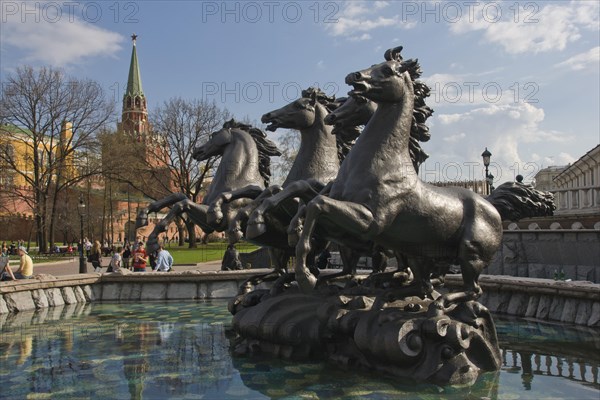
378,196
316,163
245,164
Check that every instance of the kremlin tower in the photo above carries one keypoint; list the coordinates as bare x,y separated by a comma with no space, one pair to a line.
134,117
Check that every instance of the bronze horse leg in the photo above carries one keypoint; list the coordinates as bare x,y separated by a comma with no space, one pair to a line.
235,230
196,212
353,218
215,211
305,190
142,217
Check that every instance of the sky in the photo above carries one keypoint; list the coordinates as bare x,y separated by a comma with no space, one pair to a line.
520,78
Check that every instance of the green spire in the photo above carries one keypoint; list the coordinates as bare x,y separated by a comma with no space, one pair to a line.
134,81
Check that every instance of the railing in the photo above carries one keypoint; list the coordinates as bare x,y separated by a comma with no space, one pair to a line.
530,364
577,200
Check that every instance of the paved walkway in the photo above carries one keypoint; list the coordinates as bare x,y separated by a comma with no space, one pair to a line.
71,266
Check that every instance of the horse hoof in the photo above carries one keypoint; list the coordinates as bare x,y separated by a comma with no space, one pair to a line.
151,245
378,304
214,217
142,219
293,239
254,230
307,283
234,236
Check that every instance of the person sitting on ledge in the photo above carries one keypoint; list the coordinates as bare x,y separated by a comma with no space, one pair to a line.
4,264
164,260
116,260
25,270
231,259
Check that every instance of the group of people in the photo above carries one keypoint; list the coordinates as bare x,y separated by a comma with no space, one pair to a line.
127,256
25,270
69,249
131,257
13,248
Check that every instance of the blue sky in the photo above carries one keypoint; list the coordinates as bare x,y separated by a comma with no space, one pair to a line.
521,78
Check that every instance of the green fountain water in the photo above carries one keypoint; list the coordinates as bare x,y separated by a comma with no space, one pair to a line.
180,350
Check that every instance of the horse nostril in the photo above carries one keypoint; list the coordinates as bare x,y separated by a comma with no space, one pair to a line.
353,77
265,117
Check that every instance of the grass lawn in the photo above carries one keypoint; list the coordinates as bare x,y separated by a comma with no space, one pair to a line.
181,255
204,252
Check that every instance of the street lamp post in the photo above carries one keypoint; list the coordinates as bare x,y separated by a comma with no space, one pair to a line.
81,211
490,181
486,162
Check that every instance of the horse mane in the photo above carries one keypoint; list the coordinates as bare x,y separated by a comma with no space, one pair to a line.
419,131
515,201
266,148
321,97
330,103
344,142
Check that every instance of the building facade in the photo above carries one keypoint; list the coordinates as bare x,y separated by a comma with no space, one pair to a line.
578,185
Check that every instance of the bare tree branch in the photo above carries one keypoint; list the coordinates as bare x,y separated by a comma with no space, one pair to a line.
38,149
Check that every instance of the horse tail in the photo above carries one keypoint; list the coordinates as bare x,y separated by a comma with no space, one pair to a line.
515,201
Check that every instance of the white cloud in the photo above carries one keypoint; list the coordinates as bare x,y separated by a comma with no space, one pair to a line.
356,18
565,158
364,36
455,138
547,161
587,60
533,27
60,41
475,89
512,132
446,119
346,25
380,4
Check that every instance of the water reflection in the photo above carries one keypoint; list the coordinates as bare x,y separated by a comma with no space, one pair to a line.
534,351
169,350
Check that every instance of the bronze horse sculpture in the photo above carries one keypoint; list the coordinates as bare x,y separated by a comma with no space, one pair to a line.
348,116
347,119
245,164
378,196
316,162
377,199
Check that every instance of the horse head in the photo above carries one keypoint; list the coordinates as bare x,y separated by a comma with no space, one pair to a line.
219,140
215,145
299,114
389,81
352,112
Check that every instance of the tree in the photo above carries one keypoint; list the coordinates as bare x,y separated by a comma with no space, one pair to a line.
52,120
288,143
